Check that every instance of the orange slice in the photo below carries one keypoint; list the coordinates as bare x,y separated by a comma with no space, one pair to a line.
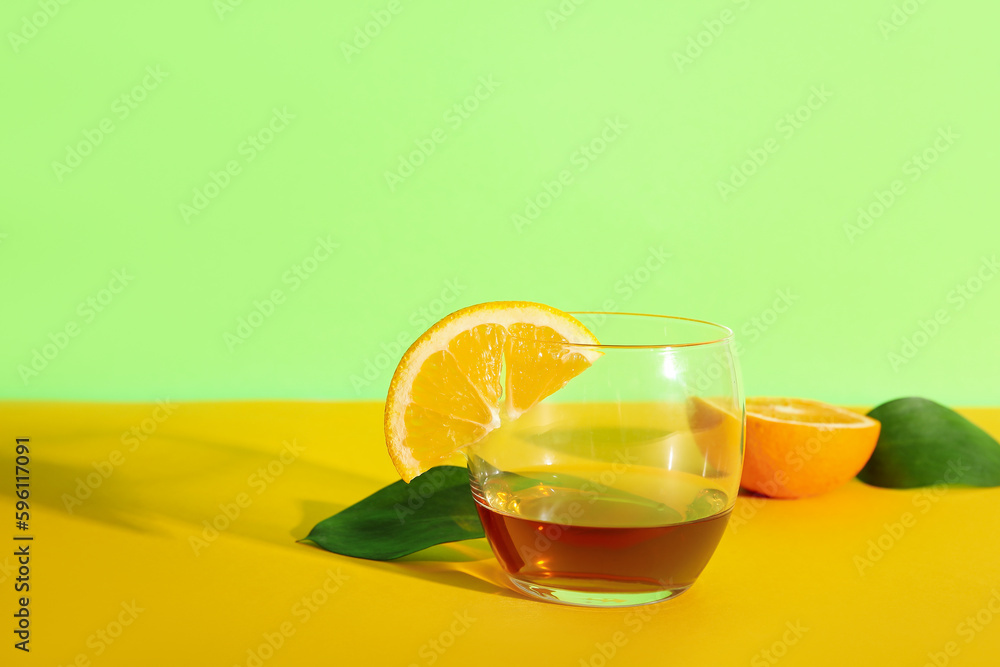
797,447
474,370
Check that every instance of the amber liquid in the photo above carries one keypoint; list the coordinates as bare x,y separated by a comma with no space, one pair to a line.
602,545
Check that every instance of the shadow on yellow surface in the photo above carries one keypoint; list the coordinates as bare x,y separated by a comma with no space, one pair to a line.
239,481
469,565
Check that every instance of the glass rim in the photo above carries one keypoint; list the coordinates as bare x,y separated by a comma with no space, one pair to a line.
726,338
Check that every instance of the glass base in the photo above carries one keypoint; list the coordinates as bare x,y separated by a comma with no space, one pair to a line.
580,597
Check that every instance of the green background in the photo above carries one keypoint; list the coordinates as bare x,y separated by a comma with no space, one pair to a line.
695,91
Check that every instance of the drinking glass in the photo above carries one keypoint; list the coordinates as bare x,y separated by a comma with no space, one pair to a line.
616,489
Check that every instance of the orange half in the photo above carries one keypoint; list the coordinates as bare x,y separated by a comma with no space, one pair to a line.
797,447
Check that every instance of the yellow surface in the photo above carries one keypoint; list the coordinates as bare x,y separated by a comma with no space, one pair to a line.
781,565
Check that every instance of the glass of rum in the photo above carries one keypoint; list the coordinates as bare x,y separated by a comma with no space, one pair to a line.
616,489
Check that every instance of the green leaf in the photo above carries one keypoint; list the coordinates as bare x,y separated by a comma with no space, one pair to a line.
402,518
924,443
